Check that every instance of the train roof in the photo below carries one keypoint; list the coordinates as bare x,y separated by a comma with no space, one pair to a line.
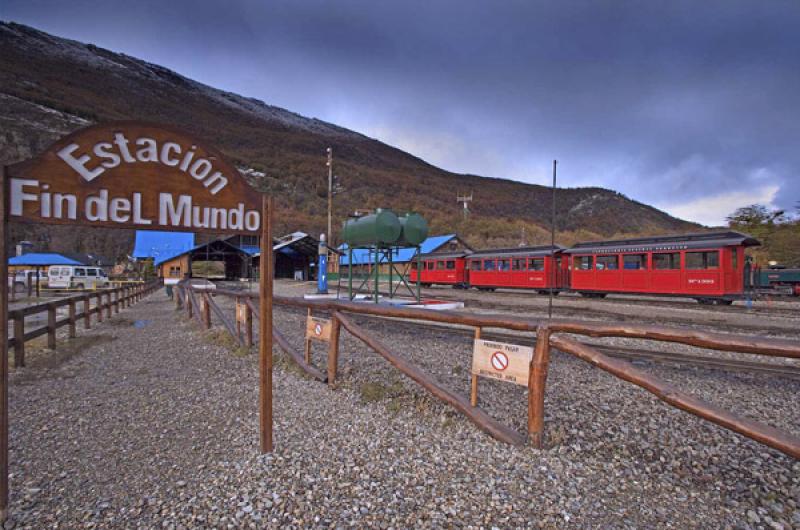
446,255
677,242
543,250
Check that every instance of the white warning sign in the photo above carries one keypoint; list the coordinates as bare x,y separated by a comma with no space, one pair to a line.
504,362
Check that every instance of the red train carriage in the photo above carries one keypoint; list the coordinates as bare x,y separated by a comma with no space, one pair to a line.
519,268
708,267
441,269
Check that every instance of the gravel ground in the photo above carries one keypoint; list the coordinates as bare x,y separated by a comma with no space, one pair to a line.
147,421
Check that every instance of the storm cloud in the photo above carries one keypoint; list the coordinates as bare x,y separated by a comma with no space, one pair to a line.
689,106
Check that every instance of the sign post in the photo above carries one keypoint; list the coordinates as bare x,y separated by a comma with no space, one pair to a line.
265,326
142,176
4,345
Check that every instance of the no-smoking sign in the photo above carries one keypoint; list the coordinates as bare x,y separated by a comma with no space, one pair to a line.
499,361
318,329
504,362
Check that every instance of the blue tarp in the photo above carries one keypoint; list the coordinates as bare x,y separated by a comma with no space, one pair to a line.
42,260
161,246
362,256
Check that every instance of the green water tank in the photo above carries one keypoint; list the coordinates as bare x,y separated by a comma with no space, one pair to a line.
380,228
415,229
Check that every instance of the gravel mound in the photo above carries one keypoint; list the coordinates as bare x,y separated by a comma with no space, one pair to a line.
154,424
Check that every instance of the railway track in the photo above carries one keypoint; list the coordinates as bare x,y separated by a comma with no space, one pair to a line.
652,302
632,354
607,313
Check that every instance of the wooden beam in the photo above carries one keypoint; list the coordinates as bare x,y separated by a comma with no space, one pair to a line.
460,403
758,431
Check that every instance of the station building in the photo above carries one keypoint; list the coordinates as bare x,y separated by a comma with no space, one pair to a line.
177,255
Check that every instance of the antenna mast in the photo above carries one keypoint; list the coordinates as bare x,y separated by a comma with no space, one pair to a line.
466,199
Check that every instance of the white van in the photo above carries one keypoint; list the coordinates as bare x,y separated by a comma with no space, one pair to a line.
76,277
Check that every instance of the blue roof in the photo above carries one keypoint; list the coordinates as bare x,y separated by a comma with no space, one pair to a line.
42,260
161,246
363,256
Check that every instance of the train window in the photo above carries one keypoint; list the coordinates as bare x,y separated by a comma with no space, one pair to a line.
702,260
413,265
489,265
440,265
430,265
537,264
503,265
450,265
518,264
475,265
734,258
583,263
634,262
667,261
610,263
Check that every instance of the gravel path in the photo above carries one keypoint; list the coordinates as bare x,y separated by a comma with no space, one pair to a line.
147,421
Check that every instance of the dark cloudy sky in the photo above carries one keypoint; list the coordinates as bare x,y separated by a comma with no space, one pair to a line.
692,106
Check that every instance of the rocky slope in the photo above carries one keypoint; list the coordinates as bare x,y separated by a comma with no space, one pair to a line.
50,86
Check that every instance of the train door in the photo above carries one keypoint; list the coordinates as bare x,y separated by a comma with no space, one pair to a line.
562,272
732,270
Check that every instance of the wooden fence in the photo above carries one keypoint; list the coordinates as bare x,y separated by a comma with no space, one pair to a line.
548,335
107,301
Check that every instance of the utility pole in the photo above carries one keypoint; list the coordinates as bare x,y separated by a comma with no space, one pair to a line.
330,194
553,245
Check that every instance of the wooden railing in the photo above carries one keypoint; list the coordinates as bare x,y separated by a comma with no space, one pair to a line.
107,301
547,337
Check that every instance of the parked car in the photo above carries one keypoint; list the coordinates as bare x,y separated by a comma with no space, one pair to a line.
76,277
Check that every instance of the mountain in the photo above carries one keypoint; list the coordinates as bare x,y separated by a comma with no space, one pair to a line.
50,86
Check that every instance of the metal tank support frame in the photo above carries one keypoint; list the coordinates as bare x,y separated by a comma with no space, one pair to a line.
371,283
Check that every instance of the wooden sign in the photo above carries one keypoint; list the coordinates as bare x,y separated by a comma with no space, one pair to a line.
133,175
504,362
318,329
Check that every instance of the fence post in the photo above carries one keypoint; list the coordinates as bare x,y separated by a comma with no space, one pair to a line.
537,378
116,299
248,325
473,395
72,319
333,350
189,303
19,340
108,305
51,327
177,297
205,310
87,312
99,307
238,318
308,340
